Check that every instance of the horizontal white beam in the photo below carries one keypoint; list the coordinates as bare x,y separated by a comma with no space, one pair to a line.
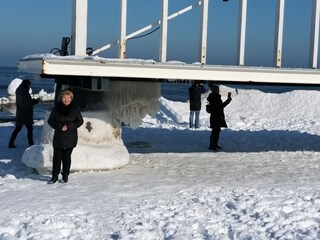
175,71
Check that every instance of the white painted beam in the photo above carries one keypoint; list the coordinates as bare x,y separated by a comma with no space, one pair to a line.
242,31
123,29
204,30
279,33
151,70
314,36
164,31
79,27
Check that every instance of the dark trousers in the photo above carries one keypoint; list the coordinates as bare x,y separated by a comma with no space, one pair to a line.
18,129
61,155
214,138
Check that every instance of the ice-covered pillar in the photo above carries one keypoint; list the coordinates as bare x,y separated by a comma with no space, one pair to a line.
119,103
129,101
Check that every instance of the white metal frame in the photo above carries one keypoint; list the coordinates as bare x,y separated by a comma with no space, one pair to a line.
75,66
79,30
163,40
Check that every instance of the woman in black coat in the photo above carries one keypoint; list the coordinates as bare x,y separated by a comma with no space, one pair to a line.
217,120
65,119
24,113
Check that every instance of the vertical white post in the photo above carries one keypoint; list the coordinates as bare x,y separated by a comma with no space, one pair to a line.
164,32
79,27
123,29
242,31
204,30
314,36
279,33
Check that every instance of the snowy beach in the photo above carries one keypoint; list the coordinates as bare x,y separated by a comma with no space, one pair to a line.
264,184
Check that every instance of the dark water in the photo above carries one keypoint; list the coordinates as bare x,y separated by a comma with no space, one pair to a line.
7,74
175,91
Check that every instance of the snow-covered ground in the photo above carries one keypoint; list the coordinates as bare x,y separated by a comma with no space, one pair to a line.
265,184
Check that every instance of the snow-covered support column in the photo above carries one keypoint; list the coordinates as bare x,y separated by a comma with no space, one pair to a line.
100,146
79,27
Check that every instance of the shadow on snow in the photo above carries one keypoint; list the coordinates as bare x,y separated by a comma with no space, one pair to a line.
152,140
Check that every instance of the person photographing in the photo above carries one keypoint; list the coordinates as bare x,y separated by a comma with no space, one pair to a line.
217,118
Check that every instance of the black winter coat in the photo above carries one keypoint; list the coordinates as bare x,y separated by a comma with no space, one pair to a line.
24,113
217,110
65,115
195,92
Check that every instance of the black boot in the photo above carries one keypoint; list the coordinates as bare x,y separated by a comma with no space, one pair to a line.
64,178
54,179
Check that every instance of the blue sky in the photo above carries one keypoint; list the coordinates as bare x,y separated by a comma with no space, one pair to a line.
37,26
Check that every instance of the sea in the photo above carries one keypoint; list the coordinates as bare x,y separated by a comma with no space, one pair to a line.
171,90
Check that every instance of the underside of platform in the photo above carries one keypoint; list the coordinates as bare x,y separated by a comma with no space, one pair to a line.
55,67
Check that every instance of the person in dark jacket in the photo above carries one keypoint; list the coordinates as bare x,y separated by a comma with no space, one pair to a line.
195,92
24,112
217,119
65,119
